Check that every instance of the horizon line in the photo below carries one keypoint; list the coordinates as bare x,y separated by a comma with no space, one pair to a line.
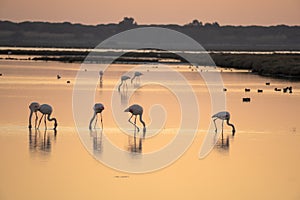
149,24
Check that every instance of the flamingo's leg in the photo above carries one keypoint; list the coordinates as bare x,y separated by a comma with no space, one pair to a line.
40,121
215,125
133,123
222,128
96,121
101,120
138,129
36,118
45,120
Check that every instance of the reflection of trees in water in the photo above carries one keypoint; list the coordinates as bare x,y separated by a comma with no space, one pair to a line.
41,142
97,140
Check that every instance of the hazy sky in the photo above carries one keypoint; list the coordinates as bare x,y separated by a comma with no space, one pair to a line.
235,12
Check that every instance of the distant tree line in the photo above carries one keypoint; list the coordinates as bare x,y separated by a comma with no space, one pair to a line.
210,35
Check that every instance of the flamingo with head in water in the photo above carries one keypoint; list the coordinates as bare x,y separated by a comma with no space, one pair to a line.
123,81
46,109
136,110
34,107
136,75
223,116
98,108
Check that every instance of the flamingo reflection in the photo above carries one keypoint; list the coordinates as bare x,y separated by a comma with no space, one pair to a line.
134,146
97,140
124,97
222,144
41,142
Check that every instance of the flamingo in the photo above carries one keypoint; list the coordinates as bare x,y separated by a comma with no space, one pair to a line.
98,108
123,80
101,75
223,116
136,110
46,109
34,107
136,74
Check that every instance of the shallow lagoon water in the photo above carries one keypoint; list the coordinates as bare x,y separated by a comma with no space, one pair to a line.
262,161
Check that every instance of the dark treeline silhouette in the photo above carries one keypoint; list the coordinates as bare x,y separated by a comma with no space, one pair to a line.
211,35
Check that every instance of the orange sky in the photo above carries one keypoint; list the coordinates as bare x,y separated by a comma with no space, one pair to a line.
233,12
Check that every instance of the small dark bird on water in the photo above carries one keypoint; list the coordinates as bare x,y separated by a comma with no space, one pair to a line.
259,91
246,99
247,89
68,81
267,83
58,76
277,89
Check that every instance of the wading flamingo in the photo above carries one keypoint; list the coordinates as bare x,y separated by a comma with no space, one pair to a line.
223,116
98,108
136,110
137,75
123,80
34,107
46,109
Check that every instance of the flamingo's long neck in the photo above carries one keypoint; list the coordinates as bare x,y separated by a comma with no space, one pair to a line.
92,120
144,129
120,85
52,119
141,120
133,78
229,124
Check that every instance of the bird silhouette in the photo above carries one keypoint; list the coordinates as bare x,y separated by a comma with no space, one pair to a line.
58,76
123,81
101,75
34,107
98,108
46,109
277,89
136,75
136,110
223,116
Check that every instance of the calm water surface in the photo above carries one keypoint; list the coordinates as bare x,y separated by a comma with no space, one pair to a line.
261,162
